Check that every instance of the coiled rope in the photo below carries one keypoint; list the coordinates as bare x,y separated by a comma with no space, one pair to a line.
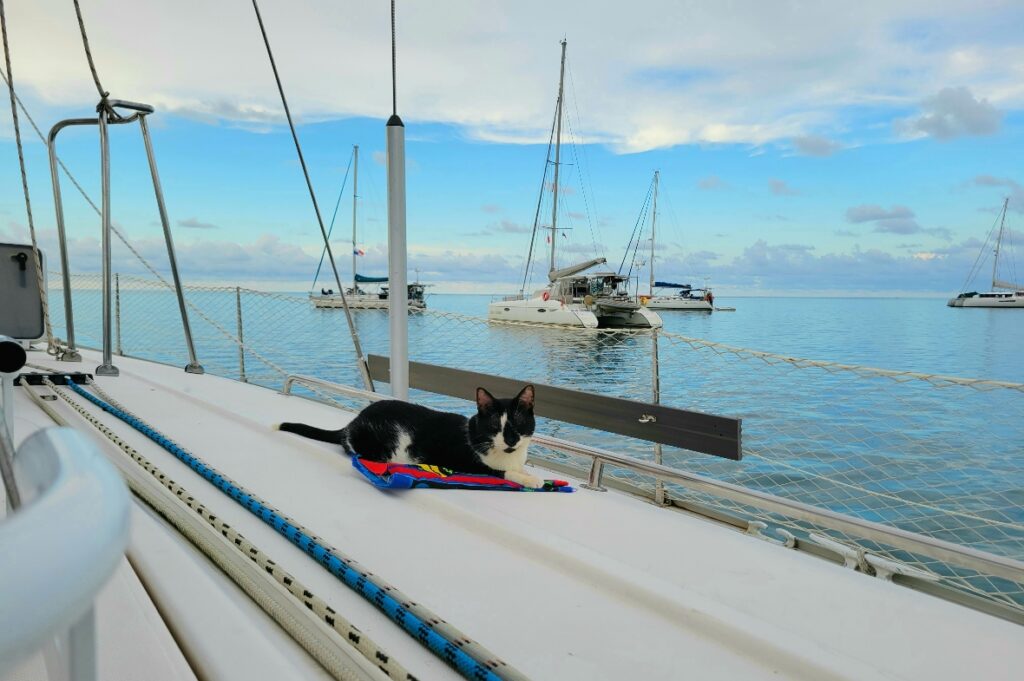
466,656
350,634
51,346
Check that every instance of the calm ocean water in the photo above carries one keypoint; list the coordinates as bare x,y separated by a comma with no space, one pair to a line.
930,459
912,334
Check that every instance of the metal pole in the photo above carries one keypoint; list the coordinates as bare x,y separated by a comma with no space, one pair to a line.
558,150
999,240
355,195
117,312
654,220
398,303
241,337
659,485
594,479
193,366
71,354
107,368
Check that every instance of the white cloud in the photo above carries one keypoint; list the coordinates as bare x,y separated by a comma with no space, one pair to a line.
952,113
638,84
712,183
871,212
195,223
815,145
781,188
1016,190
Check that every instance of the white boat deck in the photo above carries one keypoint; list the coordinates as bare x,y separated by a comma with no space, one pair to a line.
561,586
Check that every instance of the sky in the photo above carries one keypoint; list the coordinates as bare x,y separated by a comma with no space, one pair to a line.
804,148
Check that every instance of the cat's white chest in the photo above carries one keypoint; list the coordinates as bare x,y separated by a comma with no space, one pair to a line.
402,444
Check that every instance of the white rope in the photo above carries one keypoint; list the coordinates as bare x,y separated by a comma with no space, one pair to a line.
51,347
349,633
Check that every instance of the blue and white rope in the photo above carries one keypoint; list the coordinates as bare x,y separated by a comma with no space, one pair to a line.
451,652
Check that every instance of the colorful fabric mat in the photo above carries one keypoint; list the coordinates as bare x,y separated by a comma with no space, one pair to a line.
408,476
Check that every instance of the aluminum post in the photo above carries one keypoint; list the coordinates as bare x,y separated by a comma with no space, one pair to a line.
398,298
71,354
241,336
107,368
117,314
193,366
659,484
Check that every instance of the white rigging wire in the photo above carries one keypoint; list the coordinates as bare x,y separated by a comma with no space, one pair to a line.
583,173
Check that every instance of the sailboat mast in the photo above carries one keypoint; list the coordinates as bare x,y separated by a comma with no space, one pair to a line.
558,149
654,220
999,239
355,195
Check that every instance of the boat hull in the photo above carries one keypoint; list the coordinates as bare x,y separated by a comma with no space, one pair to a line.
360,302
1014,300
616,317
677,303
540,311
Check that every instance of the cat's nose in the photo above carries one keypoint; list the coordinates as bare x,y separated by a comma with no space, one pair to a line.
509,450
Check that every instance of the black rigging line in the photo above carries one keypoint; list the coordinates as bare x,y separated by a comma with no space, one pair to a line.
312,197
636,244
976,267
103,92
24,177
540,200
639,221
330,230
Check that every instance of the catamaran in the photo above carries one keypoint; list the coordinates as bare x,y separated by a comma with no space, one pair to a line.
1009,295
573,296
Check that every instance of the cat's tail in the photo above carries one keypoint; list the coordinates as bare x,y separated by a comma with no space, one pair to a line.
337,437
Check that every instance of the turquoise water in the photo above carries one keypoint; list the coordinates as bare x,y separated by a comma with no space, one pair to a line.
911,334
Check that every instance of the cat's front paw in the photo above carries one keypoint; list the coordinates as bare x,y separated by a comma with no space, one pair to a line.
524,479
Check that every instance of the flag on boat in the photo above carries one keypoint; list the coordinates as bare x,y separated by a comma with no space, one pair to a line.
358,251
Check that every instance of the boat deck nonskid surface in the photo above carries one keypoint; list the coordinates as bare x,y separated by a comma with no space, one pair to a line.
562,586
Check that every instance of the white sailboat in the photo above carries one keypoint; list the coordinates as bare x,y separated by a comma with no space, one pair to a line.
357,297
685,297
571,297
1005,293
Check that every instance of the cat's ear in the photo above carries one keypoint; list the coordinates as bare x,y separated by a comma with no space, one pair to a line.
484,400
525,397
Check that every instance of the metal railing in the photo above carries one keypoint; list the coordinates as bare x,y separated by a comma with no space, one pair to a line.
931,455
940,550
59,551
105,118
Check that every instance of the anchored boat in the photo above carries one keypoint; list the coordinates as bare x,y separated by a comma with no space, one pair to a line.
571,298
356,297
1009,295
684,297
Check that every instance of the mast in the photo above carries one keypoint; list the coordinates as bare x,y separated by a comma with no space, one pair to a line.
999,239
355,195
654,219
558,149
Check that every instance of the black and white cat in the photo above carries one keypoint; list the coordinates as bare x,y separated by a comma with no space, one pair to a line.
493,441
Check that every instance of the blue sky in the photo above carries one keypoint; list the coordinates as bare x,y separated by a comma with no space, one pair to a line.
863,154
